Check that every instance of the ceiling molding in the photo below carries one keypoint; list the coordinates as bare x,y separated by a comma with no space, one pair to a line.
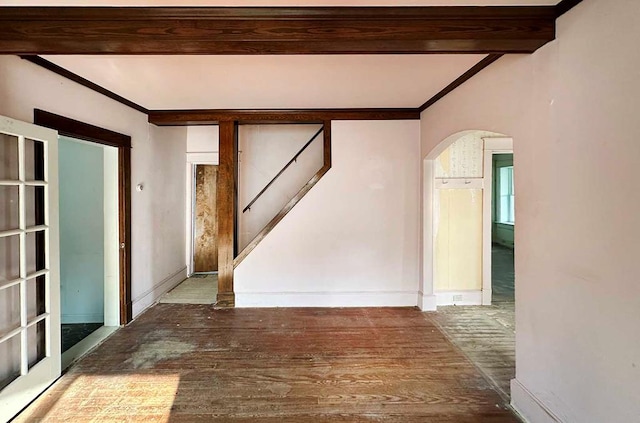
37,60
270,30
460,80
565,5
214,116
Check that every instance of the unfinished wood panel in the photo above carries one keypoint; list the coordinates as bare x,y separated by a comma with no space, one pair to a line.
226,205
188,363
205,249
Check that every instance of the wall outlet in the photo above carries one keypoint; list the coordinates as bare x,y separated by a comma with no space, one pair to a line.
457,298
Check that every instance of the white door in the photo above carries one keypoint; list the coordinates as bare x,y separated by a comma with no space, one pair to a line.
29,264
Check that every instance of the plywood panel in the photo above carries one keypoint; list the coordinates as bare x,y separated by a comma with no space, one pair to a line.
205,255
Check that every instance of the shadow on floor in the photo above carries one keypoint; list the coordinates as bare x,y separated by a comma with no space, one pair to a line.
72,333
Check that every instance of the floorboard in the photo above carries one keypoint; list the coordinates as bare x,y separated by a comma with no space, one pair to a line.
192,363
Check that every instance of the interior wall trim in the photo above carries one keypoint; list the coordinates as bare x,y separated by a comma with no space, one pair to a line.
37,60
565,5
460,80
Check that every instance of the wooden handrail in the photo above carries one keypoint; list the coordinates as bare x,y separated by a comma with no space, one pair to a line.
304,147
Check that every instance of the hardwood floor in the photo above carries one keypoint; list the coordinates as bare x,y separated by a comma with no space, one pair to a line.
487,335
191,363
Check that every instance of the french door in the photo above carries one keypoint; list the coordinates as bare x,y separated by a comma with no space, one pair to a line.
29,264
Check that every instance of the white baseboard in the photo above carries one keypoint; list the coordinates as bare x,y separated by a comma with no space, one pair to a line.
445,298
150,297
427,302
326,299
82,318
529,407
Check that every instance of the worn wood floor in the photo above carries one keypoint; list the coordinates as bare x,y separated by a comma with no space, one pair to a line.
191,363
487,335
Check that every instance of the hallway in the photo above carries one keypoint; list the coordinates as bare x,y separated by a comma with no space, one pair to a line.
487,334
187,363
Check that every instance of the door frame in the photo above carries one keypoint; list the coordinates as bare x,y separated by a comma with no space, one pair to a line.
492,145
194,159
83,131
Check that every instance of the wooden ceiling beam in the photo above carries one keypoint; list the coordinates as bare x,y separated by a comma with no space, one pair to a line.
215,116
268,30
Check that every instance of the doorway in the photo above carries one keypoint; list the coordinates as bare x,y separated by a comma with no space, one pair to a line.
201,287
89,268
502,229
205,221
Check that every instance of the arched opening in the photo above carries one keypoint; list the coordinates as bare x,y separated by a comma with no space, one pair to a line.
468,248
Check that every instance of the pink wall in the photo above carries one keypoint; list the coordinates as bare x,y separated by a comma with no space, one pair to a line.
354,238
571,109
157,162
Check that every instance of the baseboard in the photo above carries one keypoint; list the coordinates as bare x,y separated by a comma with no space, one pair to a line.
427,302
150,297
445,298
82,318
326,299
529,407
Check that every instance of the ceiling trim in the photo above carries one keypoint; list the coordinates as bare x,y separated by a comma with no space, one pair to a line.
565,5
37,60
214,116
460,80
275,30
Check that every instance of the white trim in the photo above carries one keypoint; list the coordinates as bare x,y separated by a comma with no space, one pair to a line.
471,297
428,237
111,315
326,299
530,408
204,158
150,297
194,159
498,145
427,302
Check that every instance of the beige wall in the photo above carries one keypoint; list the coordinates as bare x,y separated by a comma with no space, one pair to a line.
571,109
157,162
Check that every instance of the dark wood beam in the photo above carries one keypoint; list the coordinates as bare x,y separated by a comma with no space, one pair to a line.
460,80
226,208
214,116
275,30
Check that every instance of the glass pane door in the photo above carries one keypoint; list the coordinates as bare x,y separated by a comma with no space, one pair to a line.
29,281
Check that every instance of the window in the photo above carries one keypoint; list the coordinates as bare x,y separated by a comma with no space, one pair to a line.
506,208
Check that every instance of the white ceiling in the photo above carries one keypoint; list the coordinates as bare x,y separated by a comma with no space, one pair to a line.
304,81
244,82
272,3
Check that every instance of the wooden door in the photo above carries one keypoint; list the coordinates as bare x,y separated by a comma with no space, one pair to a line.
205,249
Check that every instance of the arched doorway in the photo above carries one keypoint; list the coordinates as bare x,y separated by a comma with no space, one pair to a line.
459,227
